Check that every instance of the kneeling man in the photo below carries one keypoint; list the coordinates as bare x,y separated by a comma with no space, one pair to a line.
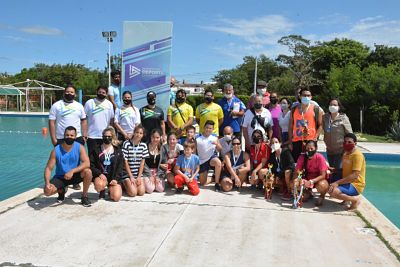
72,167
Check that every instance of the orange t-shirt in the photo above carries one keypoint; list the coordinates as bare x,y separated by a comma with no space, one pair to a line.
301,119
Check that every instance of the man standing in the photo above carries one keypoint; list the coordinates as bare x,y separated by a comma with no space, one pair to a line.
233,109
257,117
72,167
152,117
114,89
180,115
64,113
305,123
353,182
209,111
100,114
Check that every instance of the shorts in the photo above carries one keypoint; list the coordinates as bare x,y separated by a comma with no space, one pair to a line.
206,165
348,189
60,182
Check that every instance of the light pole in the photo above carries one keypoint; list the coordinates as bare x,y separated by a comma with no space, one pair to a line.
109,36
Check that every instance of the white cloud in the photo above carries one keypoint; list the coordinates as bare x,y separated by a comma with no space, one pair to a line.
41,30
16,39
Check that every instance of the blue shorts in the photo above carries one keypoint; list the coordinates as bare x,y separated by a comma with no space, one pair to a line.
348,189
206,165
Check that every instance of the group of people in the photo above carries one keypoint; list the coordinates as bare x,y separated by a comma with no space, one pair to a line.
138,150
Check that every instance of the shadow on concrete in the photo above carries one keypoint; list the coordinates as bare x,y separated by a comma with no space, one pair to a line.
51,202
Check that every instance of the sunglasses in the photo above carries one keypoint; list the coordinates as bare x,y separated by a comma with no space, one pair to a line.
236,144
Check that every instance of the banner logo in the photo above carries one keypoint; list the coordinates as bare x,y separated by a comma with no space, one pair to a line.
133,71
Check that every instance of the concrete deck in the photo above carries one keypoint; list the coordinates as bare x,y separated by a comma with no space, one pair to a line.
164,229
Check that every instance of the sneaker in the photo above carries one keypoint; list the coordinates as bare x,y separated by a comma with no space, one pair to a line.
61,194
287,197
217,187
179,190
102,194
76,187
85,201
260,186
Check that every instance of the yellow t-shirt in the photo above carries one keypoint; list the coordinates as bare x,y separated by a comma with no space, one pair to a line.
212,112
186,111
355,162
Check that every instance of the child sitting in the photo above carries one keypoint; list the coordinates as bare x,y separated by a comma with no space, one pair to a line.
186,170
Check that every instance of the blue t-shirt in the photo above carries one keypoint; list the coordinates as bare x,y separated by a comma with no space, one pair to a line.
227,106
114,91
66,161
188,165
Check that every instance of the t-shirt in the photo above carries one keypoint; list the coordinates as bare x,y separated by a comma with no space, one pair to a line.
209,112
188,165
67,114
134,155
151,119
186,111
127,118
205,147
355,162
113,90
67,160
315,165
99,116
275,114
256,156
227,106
284,121
226,146
248,118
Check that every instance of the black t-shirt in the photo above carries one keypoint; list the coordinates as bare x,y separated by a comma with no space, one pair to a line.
151,119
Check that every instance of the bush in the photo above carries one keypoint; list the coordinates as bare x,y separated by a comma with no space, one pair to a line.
394,132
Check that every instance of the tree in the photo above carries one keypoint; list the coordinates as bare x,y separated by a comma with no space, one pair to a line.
384,55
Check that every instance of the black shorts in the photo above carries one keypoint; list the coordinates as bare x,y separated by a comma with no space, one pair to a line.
60,182
206,165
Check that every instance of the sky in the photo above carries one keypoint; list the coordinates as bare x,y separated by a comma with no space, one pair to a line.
208,36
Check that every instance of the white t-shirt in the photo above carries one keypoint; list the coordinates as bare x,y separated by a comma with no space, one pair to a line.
226,146
248,117
99,115
67,114
284,121
205,147
127,118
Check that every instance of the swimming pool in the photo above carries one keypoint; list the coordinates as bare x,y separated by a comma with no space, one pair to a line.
24,153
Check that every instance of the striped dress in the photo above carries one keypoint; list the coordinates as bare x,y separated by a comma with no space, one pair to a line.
134,154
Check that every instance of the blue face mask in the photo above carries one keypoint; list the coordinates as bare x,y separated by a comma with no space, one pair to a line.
305,100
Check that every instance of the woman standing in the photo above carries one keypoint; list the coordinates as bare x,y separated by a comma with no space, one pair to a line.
106,165
335,124
284,119
169,153
151,168
126,118
276,111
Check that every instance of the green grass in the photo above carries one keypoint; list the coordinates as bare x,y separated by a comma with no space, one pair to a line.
373,138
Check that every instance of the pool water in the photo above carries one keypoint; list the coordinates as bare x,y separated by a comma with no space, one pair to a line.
24,154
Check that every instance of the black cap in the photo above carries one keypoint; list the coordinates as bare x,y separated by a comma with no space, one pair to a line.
151,94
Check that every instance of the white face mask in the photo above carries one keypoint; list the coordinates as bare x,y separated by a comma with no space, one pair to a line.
284,106
261,91
228,137
333,109
228,96
275,146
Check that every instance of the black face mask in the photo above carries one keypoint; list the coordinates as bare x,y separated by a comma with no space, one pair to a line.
208,99
256,139
180,100
274,101
69,141
69,97
151,101
257,105
309,154
101,97
107,140
127,102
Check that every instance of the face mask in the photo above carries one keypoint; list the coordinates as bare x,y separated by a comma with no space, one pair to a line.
257,105
275,146
180,100
261,91
348,147
274,101
228,96
228,137
284,106
69,97
101,97
127,102
311,153
305,100
107,140
256,139
208,99
69,141
151,101
333,109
